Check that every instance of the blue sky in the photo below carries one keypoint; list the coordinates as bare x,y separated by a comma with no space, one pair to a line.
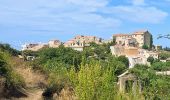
25,21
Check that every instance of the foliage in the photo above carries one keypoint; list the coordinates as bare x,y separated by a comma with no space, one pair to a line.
3,64
150,59
151,42
124,60
153,86
9,49
145,47
161,66
166,49
94,81
29,53
92,73
99,51
57,77
61,54
13,80
164,55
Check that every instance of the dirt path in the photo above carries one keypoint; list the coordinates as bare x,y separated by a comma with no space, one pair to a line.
35,81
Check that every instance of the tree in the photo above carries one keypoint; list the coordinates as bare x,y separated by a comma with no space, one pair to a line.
145,47
3,64
124,60
9,49
164,55
151,42
150,59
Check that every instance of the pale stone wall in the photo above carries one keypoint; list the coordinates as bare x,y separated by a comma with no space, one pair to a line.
78,48
141,37
54,43
117,51
34,47
80,41
163,73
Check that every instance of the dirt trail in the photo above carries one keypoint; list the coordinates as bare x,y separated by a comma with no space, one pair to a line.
35,81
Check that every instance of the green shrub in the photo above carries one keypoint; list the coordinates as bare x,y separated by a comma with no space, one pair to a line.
94,82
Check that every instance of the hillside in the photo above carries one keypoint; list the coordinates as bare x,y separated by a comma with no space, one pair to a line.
93,74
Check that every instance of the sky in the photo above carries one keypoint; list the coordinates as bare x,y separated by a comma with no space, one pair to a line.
35,21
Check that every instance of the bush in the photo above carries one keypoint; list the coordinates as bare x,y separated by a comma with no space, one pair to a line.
164,55
150,59
13,80
9,49
145,47
161,66
94,81
124,60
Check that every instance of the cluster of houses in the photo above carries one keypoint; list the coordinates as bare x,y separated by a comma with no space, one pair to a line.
78,43
129,45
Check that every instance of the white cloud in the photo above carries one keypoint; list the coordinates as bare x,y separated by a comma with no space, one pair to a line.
139,14
138,2
76,14
94,3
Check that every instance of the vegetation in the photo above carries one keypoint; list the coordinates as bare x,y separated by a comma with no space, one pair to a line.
14,81
161,66
164,55
145,47
9,49
91,74
151,42
150,59
166,49
124,60
154,87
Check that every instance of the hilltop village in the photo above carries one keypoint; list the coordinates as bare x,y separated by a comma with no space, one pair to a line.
137,46
126,67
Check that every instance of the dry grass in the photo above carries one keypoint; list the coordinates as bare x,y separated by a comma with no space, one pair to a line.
35,81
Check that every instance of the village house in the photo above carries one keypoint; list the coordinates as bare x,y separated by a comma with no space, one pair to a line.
34,47
38,46
54,43
140,38
79,42
134,54
129,45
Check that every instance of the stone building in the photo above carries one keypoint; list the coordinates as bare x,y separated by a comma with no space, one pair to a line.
34,47
134,54
138,38
38,46
128,82
54,43
79,42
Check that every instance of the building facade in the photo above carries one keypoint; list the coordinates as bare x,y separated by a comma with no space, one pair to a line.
137,39
79,42
54,43
33,47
